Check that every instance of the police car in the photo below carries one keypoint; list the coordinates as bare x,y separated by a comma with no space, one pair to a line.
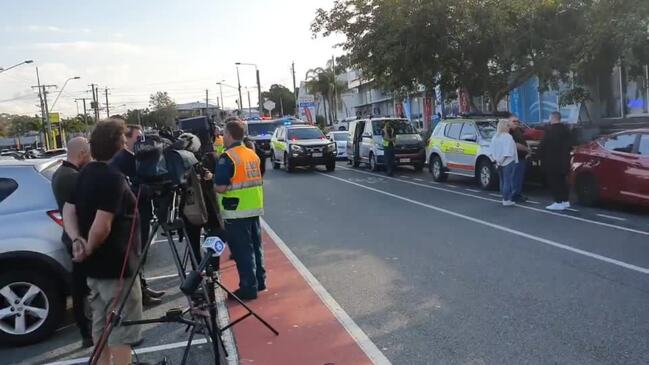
462,147
301,145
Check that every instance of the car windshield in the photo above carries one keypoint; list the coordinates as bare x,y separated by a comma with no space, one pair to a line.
340,136
259,129
400,127
305,133
486,129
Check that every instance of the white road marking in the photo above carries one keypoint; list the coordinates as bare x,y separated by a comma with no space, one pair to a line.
573,210
612,217
451,186
144,350
496,195
417,179
161,277
544,211
533,201
473,190
364,342
403,176
548,242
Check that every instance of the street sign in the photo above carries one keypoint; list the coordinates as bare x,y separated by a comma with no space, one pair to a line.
269,105
55,118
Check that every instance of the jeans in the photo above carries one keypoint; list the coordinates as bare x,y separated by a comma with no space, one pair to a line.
244,239
388,156
519,177
507,174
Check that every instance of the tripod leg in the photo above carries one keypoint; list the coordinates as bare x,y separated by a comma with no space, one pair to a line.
250,311
189,344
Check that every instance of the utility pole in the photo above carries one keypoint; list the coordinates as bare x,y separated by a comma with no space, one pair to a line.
107,109
239,85
207,102
40,97
335,100
249,107
294,87
261,112
94,105
44,108
221,92
85,113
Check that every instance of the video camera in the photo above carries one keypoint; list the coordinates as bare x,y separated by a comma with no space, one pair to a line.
161,161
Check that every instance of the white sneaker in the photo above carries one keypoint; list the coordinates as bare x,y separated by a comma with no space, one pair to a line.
556,206
508,203
566,204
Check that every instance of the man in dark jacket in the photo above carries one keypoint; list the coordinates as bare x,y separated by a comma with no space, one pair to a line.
555,158
522,149
64,183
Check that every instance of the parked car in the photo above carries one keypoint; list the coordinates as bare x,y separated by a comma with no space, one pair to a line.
613,168
340,138
461,146
301,145
365,144
35,266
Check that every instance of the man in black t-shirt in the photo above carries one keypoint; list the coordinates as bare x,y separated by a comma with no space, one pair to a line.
99,219
124,161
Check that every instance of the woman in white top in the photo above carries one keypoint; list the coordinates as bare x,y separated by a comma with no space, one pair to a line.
503,153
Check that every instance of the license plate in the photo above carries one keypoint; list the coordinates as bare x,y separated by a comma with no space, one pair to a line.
402,160
316,154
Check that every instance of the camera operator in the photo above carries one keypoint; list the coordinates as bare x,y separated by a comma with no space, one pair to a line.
99,219
124,161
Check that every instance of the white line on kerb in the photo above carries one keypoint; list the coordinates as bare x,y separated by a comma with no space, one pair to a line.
595,256
603,224
417,179
496,195
345,320
473,190
533,201
611,217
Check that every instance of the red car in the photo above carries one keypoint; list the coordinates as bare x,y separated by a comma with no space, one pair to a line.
613,168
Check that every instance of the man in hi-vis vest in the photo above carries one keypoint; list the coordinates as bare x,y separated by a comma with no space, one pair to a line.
239,185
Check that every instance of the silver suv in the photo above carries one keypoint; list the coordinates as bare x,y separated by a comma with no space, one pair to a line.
35,266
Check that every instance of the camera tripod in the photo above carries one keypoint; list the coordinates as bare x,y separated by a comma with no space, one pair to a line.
201,310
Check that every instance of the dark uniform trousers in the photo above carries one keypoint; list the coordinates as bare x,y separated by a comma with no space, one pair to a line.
244,240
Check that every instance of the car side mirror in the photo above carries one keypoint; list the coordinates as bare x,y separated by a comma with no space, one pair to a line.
468,137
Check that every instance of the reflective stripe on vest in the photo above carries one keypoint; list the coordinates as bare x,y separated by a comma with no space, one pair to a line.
246,185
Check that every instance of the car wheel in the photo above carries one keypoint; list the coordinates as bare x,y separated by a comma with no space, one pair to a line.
487,175
31,307
437,169
272,159
587,189
287,164
331,166
373,166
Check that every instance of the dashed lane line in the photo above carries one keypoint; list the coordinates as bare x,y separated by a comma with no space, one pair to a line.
538,239
612,217
544,211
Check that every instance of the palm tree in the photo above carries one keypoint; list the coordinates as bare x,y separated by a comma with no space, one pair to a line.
323,84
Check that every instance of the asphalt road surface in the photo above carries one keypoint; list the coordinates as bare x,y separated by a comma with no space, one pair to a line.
443,274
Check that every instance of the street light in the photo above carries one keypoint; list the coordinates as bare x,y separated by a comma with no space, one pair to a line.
220,83
258,83
16,65
60,91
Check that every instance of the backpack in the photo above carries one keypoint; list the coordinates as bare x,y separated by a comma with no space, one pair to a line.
194,208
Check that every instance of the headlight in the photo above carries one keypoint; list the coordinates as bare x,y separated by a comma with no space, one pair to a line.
296,148
331,147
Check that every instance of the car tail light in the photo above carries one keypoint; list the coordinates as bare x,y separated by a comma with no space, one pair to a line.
56,217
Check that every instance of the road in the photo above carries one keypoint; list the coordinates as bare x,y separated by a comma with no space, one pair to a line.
442,274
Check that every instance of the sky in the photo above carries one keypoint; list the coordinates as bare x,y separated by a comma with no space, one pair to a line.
138,47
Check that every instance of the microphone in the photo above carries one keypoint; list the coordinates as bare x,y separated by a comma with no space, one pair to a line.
213,247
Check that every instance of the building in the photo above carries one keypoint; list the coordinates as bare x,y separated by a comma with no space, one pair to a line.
197,108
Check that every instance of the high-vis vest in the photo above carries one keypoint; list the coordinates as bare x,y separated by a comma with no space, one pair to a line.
219,148
245,195
387,132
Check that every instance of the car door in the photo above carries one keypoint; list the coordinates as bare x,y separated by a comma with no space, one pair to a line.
351,140
636,184
469,148
277,144
451,146
612,165
367,141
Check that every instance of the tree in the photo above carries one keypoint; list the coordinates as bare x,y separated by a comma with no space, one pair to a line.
323,84
21,124
281,96
164,110
74,125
